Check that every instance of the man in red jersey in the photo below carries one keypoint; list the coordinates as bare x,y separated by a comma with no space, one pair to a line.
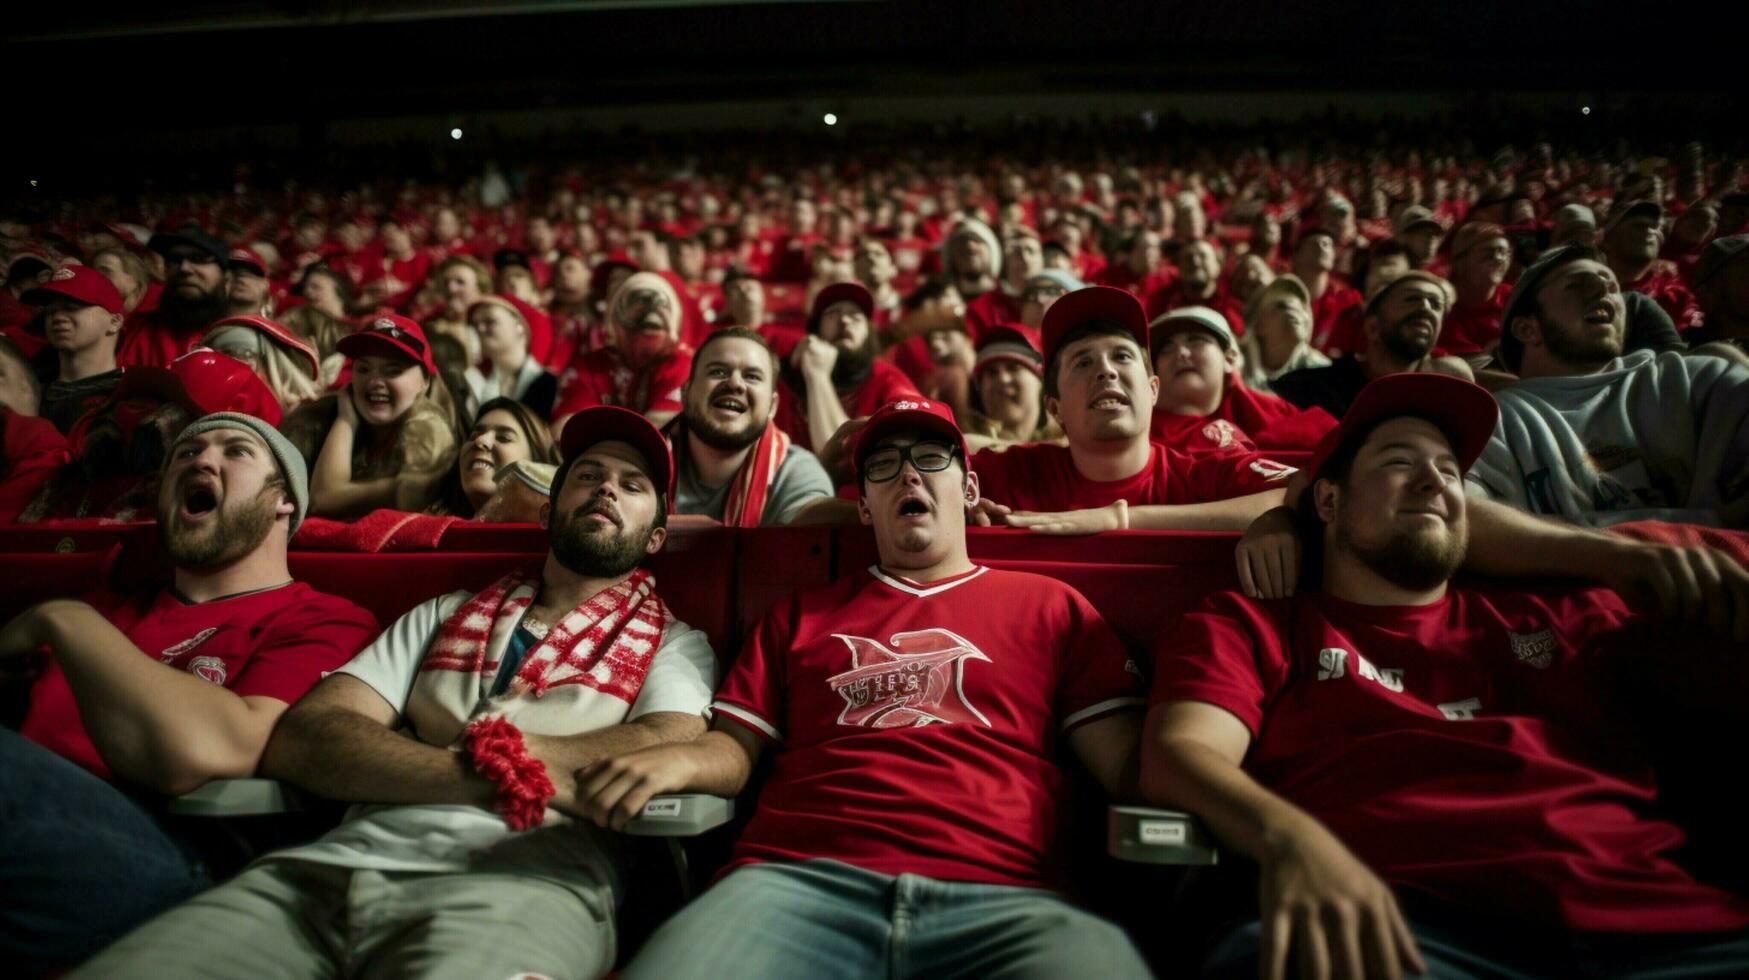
647,365
156,695
833,374
1631,238
196,292
1480,256
899,703
1433,777
1101,388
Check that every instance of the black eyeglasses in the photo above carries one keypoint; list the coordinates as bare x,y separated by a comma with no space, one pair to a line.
928,457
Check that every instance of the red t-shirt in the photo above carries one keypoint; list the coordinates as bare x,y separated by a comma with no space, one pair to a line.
791,262
1271,421
916,726
148,340
1664,284
1042,477
31,450
990,309
1194,435
274,644
401,278
602,377
1327,308
1469,328
1459,748
885,383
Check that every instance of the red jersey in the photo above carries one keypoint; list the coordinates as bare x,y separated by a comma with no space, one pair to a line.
1172,298
1271,421
1042,477
1664,284
1327,308
885,383
1458,748
31,450
602,377
276,643
793,261
990,309
400,278
1194,435
148,340
917,726
1471,328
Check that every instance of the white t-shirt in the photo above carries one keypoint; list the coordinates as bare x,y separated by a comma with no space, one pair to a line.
452,837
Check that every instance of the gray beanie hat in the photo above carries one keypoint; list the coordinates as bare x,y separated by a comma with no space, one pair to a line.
976,229
291,462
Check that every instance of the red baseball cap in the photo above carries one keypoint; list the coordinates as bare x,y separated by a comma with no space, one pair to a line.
393,335
1466,412
907,415
203,381
600,423
278,333
604,268
840,292
81,284
248,258
1093,303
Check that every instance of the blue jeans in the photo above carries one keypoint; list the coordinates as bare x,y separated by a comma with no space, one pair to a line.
81,862
1463,945
826,919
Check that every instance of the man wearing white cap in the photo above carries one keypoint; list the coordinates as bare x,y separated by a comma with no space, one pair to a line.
647,365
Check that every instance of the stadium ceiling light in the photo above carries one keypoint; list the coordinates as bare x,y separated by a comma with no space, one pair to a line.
831,119
455,134
1585,110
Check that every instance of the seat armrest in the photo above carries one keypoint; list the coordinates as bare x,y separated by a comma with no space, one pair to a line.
238,798
1146,835
681,815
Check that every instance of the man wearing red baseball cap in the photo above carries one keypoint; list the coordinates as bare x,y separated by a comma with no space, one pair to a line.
898,702
150,696
1099,386
1393,697
196,287
81,314
834,374
250,293
465,724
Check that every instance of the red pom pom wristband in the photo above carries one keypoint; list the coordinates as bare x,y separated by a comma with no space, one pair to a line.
498,752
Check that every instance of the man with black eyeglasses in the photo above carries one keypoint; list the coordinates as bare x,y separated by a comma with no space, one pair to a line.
916,711
196,292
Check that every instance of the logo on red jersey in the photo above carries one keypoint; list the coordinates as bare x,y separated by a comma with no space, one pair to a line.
1536,649
208,669
1221,432
1269,469
916,683
170,653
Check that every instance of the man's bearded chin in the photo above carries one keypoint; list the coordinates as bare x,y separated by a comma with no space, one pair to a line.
193,312
598,550
231,533
1412,559
725,439
1402,347
853,366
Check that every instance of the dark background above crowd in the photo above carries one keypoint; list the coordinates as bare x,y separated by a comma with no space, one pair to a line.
287,87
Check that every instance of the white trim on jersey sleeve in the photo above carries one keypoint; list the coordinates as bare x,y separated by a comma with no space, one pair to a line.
746,716
1103,707
909,589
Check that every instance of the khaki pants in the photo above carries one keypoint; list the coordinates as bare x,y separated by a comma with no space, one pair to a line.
298,919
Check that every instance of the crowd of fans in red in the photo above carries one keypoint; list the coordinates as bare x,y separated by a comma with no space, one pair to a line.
1498,353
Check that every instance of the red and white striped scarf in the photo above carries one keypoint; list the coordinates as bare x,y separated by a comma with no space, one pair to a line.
751,487
601,648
